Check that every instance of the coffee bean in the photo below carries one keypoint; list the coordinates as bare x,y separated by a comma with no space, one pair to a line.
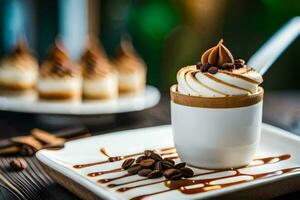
134,169
213,70
155,174
205,67
127,163
148,153
198,65
239,63
18,164
166,164
170,160
148,163
172,174
176,176
180,165
144,172
140,158
186,172
227,66
169,172
158,166
155,156
238,66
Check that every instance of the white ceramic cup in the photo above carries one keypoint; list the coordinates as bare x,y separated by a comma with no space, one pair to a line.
216,133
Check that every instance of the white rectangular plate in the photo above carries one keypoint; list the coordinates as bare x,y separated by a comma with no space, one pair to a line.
279,144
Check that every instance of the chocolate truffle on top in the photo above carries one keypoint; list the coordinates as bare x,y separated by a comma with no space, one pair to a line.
59,78
100,79
218,75
19,69
131,69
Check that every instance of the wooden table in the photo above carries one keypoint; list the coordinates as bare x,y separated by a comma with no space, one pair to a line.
280,108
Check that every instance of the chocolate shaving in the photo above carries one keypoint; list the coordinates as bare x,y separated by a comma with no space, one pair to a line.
9,150
28,140
54,146
46,137
71,133
28,145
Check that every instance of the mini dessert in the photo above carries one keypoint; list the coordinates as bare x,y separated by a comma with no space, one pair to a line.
19,69
216,111
131,68
59,78
100,79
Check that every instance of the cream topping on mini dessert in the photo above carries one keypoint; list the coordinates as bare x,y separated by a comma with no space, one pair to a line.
94,63
218,75
58,64
128,60
20,58
19,68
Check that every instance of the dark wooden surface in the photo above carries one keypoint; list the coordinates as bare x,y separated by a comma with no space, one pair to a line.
280,108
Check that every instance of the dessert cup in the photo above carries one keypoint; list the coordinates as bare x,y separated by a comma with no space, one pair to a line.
216,132
100,80
131,82
131,70
19,69
59,78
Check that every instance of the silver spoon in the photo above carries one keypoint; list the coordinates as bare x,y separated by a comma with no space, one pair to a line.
262,60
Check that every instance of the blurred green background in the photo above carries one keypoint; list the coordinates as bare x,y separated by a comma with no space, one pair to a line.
168,34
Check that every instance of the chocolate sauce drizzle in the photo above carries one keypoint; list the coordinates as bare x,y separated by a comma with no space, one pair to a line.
113,179
261,161
185,185
93,174
205,184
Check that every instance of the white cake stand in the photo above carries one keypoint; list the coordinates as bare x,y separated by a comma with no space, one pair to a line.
29,103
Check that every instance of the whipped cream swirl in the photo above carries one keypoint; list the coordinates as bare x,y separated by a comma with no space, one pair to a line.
226,82
243,81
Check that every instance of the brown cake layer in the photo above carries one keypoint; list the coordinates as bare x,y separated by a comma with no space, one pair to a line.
58,95
15,86
129,89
